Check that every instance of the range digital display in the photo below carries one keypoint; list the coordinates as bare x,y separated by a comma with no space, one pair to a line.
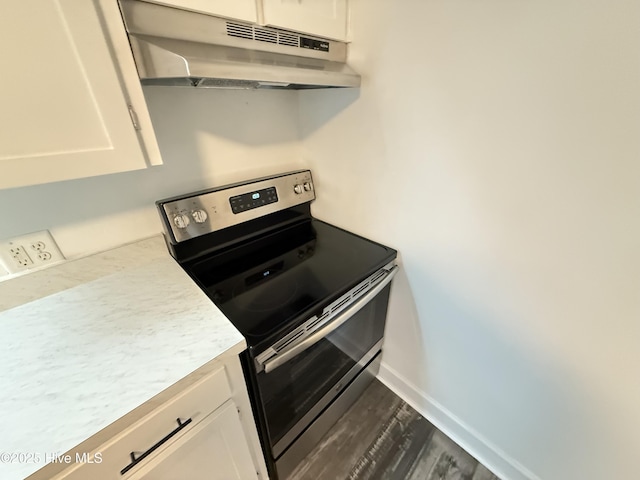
251,200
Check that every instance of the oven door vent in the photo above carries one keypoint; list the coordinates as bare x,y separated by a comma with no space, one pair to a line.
309,325
359,290
288,340
376,276
341,303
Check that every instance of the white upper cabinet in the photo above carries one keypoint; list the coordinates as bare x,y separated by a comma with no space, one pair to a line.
72,104
237,9
326,18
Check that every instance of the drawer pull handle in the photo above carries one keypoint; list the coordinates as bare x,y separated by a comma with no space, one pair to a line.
137,457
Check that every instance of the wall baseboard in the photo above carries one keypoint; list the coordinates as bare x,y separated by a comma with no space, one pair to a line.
473,442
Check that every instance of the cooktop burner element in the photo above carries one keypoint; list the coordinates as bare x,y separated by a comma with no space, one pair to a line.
271,301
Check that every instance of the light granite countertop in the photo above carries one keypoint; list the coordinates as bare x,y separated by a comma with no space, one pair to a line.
107,334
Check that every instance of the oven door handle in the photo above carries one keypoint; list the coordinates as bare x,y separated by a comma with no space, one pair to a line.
297,348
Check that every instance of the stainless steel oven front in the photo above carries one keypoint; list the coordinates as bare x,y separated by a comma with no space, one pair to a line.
332,355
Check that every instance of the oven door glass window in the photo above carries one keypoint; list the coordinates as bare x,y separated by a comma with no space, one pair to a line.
297,391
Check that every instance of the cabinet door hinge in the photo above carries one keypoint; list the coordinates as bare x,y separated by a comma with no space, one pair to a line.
134,118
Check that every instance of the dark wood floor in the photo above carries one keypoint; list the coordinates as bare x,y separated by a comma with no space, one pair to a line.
382,438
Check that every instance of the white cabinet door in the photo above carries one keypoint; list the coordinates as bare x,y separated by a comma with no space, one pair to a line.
66,86
211,445
238,9
326,18
215,449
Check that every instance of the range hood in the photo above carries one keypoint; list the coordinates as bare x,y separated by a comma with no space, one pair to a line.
182,48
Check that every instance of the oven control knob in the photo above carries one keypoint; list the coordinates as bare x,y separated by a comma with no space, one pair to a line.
298,189
181,221
307,186
200,216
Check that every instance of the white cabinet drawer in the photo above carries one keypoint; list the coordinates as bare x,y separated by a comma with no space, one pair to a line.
192,405
215,449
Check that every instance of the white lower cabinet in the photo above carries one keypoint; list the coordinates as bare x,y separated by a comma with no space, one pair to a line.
203,432
214,449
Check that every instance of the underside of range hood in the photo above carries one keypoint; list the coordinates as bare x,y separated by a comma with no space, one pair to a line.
181,48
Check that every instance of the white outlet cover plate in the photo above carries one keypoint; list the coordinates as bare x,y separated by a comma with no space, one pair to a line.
36,245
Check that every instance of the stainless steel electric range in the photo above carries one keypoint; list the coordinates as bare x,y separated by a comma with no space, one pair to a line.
310,299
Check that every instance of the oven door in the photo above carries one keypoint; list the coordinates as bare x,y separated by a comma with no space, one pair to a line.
300,375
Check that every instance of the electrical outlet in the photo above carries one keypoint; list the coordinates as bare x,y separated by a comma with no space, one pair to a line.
29,251
20,257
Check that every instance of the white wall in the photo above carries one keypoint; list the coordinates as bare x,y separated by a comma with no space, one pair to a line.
207,138
496,145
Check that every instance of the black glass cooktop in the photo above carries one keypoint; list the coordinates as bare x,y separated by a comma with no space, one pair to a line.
272,284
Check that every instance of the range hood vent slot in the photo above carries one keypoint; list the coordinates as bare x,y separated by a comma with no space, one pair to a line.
291,39
239,30
263,34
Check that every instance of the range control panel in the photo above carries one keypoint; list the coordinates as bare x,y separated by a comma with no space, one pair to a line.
190,216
